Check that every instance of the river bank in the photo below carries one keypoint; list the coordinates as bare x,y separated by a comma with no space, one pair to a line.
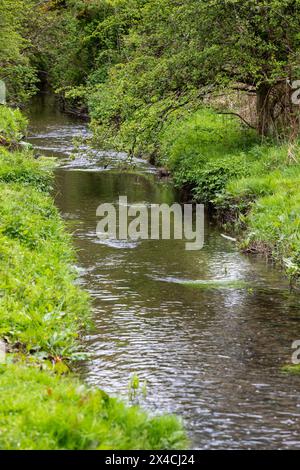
43,316
251,184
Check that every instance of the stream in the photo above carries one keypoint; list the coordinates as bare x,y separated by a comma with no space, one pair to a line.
212,356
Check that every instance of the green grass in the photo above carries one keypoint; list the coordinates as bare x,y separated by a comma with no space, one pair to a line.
42,315
291,369
272,212
40,306
22,168
40,410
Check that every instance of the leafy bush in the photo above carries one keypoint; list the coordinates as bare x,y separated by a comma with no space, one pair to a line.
12,124
212,181
204,152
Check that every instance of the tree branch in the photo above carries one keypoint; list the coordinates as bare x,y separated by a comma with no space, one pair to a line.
241,117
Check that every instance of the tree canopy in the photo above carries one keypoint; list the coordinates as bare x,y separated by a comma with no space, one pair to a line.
135,63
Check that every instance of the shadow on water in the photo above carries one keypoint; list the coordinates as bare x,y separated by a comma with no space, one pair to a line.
211,355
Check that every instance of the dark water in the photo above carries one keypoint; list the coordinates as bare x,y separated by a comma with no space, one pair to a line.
212,356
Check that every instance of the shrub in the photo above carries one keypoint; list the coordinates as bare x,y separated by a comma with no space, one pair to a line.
12,124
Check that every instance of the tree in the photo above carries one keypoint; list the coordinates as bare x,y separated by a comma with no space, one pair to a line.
15,68
250,42
137,62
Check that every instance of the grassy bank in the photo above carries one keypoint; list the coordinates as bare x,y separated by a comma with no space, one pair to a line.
253,185
42,314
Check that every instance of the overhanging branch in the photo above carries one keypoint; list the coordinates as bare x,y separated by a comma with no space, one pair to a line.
239,116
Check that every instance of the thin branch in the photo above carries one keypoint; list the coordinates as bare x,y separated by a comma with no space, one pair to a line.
241,117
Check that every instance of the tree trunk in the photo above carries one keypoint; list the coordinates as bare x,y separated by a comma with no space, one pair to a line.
264,110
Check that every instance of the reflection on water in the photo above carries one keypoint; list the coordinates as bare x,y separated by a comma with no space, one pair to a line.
211,355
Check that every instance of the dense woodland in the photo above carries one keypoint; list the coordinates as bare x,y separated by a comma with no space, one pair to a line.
138,64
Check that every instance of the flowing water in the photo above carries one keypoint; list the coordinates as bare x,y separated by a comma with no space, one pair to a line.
212,356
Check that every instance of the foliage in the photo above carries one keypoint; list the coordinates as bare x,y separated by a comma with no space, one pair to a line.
204,151
11,41
145,59
16,69
138,63
40,307
23,169
12,124
268,204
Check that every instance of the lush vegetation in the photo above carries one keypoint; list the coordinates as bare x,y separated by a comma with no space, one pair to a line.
68,415
12,126
42,314
138,63
202,87
16,68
